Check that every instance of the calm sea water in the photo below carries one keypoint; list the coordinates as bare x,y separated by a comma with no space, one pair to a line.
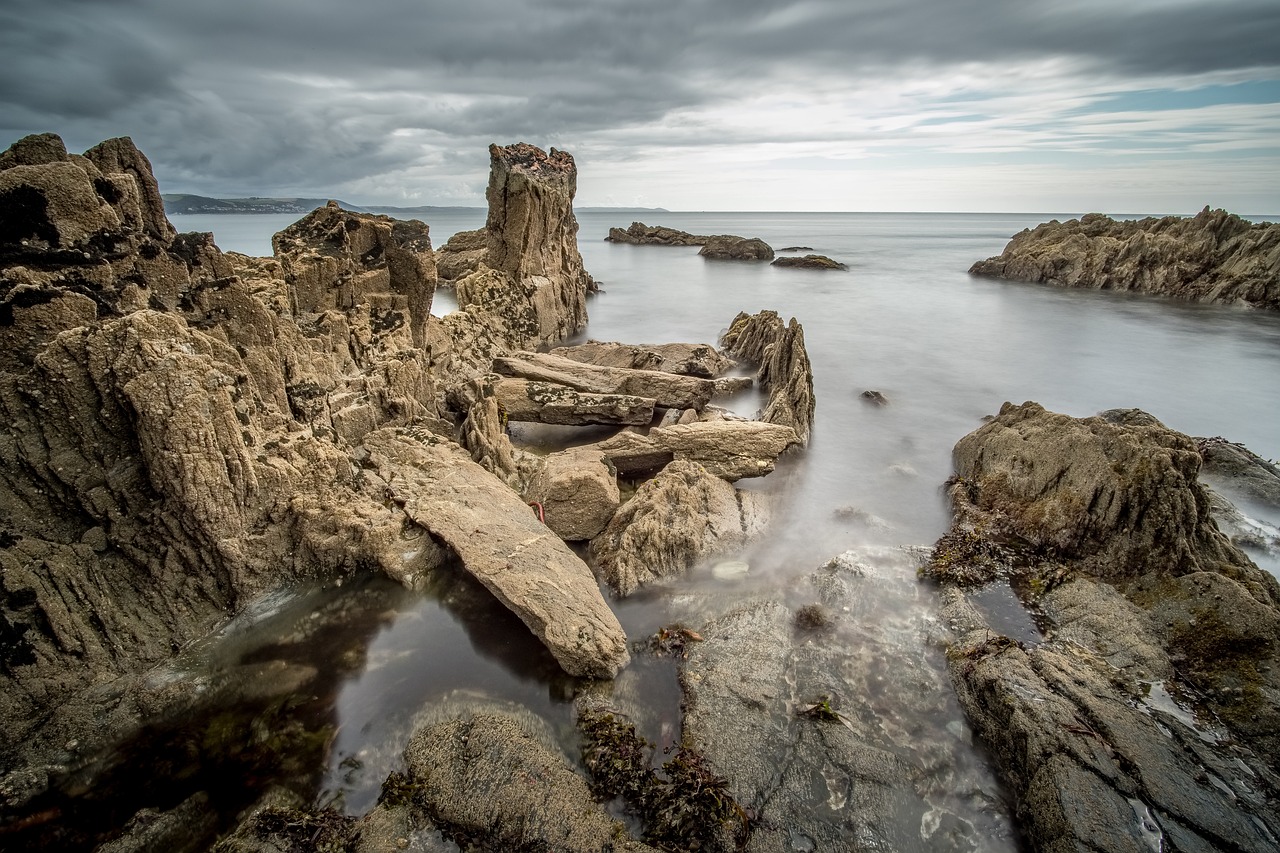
907,320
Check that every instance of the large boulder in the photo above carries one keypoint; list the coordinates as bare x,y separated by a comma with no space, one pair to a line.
461,254
551,403
1213,256
637,233
809,262
576,491
680,517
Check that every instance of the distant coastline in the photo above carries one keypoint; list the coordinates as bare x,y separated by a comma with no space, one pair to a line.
181,204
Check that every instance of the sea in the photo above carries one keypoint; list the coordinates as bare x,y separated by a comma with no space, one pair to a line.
944,348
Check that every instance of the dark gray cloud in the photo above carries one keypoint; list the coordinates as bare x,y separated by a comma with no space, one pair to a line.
253,96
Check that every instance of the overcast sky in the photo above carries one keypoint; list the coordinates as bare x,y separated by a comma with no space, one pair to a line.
1121,106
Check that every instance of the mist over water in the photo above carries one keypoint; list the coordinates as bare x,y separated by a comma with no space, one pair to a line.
907,320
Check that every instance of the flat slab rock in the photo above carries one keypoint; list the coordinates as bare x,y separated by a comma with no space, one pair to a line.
501,542
667,389
730,450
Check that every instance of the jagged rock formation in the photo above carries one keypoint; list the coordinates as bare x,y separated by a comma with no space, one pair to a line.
1145,598
727,247
179,439
529,287
1214,256
809,262
784,372
701,360
681,516
654,235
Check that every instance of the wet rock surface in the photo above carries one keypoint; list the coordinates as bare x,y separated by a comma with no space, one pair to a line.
637,233
1211,257
809,262
728,247
1148,715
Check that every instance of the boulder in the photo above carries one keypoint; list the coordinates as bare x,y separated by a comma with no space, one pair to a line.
727,247
1213,256
809,262
462,254
729,449
701,360
668,390
784,368
679,518
577,492
653,235
551,403
487,780
1241,470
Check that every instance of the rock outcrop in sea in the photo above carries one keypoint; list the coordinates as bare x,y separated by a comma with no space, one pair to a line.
1148,715
809,262
1213,256
784,369
640,234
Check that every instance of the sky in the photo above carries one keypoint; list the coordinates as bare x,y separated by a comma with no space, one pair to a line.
1118,106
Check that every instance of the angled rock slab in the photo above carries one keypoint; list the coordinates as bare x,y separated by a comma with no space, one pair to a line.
500,541
730,450
701,360
669,390
550,403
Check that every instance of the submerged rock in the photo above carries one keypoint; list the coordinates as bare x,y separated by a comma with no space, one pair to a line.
1143,595
680,517
810,262
1212,257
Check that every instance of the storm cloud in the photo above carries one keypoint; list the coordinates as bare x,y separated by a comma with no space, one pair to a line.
394,100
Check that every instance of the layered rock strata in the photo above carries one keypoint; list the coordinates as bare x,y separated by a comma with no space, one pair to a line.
784,369
1145,600
701,360
1213,256
670,391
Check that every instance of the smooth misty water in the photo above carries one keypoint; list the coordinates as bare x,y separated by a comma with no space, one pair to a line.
907,320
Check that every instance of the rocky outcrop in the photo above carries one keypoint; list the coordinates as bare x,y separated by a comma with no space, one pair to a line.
528,287
727,247
1144,600
552,403
670,391
729,449
1213,256
654,235
809,262
784,369
679,518
1242,470
702,360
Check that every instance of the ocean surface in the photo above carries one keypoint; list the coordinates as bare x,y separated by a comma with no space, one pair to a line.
906,319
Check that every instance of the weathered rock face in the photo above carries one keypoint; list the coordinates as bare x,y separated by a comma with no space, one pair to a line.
809,262
462,254
785,372
727,247
1211,257
528,286
701,360
654,235
1151,601
1245,471
680,517
551,403
668,390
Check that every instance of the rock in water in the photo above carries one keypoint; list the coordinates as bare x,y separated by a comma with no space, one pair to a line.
1144,598
701,360
1211,257
678,518
727,247
668,390
784,372
654,235
810,262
